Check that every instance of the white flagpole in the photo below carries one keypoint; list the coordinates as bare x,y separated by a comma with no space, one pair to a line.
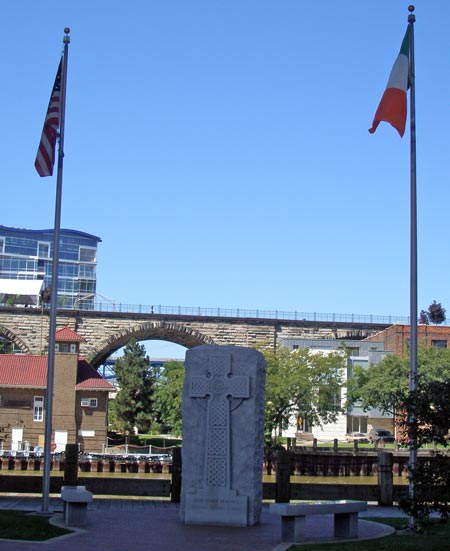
54,286
413,268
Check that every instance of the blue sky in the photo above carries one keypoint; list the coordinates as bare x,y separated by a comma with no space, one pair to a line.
221,152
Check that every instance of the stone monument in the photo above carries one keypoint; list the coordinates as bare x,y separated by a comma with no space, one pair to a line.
223,436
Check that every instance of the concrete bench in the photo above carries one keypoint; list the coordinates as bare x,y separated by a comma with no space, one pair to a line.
293,517
76,500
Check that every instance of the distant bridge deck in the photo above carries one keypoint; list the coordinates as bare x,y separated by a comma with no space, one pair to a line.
195,311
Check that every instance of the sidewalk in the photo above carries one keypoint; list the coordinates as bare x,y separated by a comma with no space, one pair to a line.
129,524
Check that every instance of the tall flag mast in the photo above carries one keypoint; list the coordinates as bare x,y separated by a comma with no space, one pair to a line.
45,159
413,260
393,109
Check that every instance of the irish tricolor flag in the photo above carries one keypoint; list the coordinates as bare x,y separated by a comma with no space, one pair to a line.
392,108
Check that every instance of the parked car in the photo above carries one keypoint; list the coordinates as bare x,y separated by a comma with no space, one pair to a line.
381,434
357,436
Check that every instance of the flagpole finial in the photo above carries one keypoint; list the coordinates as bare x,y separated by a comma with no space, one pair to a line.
411,16
66,38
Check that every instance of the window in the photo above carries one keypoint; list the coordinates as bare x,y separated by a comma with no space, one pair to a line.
20,246
357,424
87,254
86,433
66,347
439,344
62,347
43,250
89,402
86,271
86,286
15,403
2,244
38,411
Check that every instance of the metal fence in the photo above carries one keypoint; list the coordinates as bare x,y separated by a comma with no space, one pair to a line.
244,313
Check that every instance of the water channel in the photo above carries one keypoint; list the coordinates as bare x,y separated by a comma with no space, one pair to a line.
398,480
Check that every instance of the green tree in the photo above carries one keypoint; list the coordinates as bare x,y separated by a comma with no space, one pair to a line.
386,384
168,392
14,300
436,314
422,414
46,296
63,300
423,318
379,385
304,383
430,404
133,405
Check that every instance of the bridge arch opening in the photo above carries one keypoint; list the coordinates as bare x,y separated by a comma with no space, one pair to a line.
10,343
158,351
162,349
157,331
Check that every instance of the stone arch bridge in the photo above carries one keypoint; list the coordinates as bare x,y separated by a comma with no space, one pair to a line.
106,332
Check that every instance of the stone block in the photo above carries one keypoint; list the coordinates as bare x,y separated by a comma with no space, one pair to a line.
223,436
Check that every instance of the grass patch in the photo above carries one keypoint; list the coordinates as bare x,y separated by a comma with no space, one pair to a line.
435,539
22,525
158,441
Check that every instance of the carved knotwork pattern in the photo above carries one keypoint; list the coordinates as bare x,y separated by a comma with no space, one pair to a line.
199,387
217,444
238,387
218,413
217,471
218,365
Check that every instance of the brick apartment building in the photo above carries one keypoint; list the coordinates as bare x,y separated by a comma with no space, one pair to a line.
396,338
80,399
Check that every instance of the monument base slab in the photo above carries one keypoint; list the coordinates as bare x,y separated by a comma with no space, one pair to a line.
221,507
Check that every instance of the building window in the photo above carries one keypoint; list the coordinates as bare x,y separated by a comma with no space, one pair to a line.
15,403
356,424
87,433
65,347
87,254
62,347
2,245
439,343
89,402
43,250
38,411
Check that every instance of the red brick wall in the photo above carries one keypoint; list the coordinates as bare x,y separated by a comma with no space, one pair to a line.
396,338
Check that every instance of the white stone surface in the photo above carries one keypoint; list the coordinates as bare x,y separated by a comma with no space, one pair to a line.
293,516
323,507
223,436
75,500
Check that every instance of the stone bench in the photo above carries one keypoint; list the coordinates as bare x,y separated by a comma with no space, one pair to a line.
293,517
76,500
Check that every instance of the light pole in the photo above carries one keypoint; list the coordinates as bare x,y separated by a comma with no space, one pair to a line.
126,442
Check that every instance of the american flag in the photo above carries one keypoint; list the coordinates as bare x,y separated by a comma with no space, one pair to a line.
45,158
